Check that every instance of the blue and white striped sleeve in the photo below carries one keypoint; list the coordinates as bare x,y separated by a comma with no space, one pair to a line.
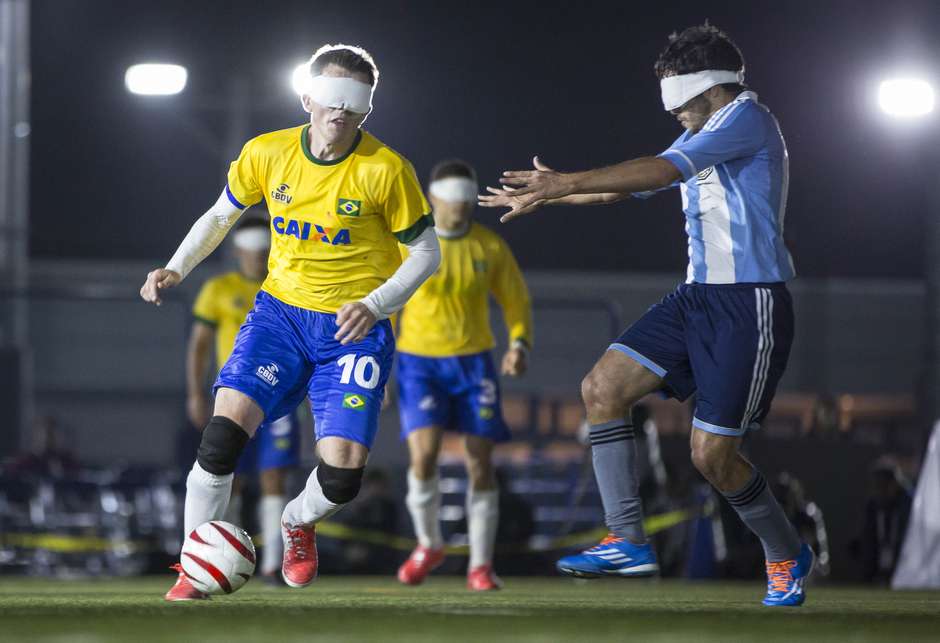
735,131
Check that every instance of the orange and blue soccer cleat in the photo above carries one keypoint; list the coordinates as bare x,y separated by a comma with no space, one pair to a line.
183,589
299,566
612,557
482,578
421,562
785,579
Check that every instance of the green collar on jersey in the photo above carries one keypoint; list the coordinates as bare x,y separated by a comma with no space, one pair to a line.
313,159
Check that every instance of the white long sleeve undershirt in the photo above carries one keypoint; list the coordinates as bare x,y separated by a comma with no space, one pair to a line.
205,236
424,256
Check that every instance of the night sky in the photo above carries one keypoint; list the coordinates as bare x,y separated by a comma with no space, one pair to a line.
118,176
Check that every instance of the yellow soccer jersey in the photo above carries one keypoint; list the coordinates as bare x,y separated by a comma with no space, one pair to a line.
224,302
334,224
449,315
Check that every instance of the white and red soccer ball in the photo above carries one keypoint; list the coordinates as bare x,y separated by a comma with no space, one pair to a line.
218,557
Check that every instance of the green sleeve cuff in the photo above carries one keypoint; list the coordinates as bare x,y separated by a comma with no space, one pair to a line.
207,322
412,233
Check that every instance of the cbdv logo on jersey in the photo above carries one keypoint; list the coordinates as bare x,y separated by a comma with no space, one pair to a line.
268,373
280,194
306,231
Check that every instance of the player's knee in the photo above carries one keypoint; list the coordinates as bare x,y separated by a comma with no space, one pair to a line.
339,485
598,393
223,441
424,465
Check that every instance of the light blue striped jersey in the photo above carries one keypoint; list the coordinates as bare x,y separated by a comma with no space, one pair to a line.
734,193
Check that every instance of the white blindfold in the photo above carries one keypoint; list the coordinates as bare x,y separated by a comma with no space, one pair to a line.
341,93
454,189
252,239
679,90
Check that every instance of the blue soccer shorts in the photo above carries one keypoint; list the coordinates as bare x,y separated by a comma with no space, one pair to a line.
274,445
455,393
729,344
283,353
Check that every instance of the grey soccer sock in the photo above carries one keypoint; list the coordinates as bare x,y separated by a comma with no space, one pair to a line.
761,512
614,453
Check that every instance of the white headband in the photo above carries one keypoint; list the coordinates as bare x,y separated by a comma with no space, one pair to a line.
455,188
341,92
679,90
252,239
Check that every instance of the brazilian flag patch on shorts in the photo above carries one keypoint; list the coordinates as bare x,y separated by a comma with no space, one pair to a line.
353,401
348,207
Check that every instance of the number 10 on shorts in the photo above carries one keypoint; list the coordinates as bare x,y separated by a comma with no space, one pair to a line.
364,370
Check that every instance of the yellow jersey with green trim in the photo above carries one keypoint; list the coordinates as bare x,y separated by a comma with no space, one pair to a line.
449,315
335,225
223,302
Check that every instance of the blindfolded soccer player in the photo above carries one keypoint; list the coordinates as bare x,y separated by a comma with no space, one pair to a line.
725,334
446,376
340,201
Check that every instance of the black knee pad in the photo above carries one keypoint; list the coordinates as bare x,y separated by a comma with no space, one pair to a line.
339,485
222,443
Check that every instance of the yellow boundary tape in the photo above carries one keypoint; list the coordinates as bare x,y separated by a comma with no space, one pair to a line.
67,544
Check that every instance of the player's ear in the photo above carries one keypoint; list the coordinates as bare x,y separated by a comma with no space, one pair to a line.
307,102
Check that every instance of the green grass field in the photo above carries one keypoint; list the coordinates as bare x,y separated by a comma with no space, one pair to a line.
528,609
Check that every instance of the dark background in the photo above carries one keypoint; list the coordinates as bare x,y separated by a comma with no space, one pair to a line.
116,176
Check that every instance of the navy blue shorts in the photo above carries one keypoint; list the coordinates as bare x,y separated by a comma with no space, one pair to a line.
274,445
283,353
457,393
729,344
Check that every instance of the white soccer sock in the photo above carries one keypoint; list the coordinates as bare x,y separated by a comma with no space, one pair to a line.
269,516
311,506
482,520
207,497
234,512
424,505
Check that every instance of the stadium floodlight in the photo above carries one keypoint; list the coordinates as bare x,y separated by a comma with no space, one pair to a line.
906,97
155,79
300,78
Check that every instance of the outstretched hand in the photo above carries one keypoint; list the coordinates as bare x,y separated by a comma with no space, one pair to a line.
157,280
525,191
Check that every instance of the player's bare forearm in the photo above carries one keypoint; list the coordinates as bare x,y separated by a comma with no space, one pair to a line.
602,198
639,175
524,191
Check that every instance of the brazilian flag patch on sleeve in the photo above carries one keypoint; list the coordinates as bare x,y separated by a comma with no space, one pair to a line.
353,401
348,207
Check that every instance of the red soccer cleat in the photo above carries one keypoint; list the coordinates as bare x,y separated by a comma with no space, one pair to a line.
422,560
183,589
299,567
483,579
